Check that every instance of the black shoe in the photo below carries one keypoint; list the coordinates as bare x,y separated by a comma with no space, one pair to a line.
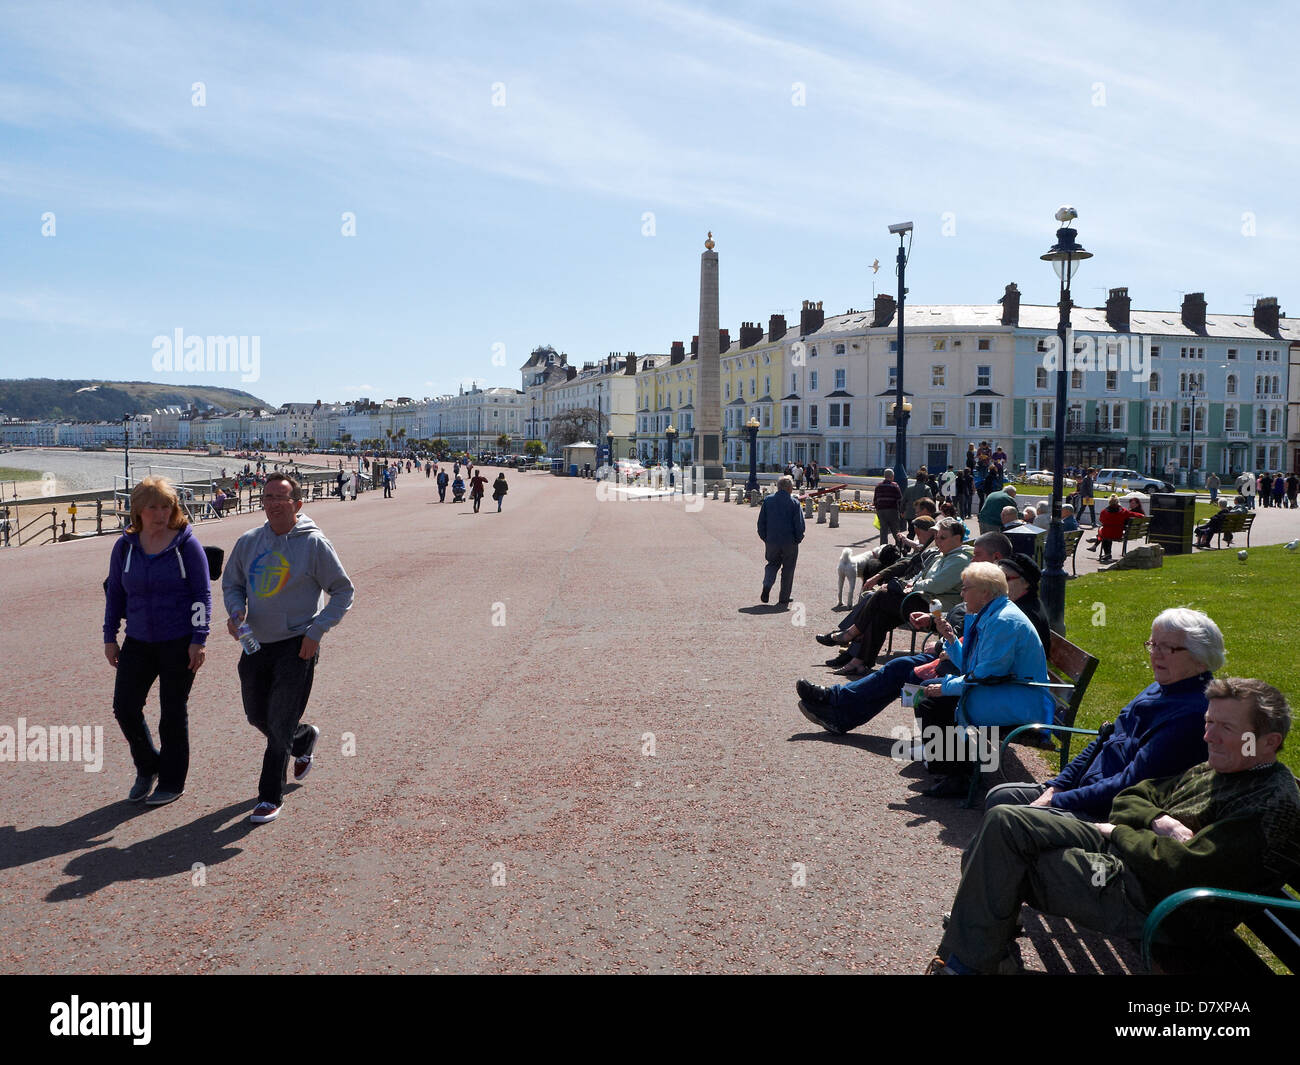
766,593
141,788
812,694
841,659
949,787
826,639
813,714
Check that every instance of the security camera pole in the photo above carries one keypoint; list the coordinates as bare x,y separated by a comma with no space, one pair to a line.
901,416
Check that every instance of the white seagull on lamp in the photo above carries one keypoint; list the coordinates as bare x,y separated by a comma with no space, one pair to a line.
1066,213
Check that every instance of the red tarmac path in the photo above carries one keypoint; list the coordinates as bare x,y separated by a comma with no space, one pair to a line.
476,744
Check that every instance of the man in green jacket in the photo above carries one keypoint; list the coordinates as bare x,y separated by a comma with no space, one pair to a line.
1232,822
991,511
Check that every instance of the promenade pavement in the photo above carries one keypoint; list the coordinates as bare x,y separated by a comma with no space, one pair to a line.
577,748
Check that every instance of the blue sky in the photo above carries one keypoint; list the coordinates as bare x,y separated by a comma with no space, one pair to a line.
796,133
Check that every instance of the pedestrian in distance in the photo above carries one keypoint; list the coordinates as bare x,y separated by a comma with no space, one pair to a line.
284,589
499,490
443,481
476,485
158,581
781,528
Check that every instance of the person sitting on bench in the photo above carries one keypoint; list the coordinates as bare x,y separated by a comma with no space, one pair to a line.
1158,734
1231,822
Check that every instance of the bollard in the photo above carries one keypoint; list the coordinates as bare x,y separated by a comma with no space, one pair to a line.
822,508
808,507
835,516
715,492
726,493
857,496
755,497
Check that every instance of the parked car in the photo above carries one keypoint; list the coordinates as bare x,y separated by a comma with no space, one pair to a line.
1122,480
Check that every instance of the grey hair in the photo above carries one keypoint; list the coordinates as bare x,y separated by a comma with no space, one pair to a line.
785,484
1204,640
889,475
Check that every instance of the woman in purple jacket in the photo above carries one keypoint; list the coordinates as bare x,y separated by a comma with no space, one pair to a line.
158,581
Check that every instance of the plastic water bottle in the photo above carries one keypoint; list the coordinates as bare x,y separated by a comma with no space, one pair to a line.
247,640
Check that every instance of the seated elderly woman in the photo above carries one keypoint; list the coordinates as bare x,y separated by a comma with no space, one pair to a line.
1159,734
998,659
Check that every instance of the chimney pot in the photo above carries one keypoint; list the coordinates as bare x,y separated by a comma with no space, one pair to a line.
1010,301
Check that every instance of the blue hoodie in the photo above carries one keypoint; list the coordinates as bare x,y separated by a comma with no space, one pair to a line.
159,595
1161,733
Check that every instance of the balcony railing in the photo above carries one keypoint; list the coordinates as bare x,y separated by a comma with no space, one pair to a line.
1093,427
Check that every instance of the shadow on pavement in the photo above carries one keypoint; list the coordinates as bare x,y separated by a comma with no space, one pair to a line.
48,841
765,608
172,852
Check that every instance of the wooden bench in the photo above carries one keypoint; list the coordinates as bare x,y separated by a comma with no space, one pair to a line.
1134,529
1235,523
1066,665
1198,930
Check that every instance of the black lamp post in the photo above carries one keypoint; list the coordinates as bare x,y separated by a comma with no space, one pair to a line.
126,449
752,484
671,434
1065,256
900,411
609,440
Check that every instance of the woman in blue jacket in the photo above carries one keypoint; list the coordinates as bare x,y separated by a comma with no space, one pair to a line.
998,652
158,581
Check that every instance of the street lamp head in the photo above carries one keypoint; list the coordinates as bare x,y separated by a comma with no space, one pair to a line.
1067,253
901,228
670,431
752,423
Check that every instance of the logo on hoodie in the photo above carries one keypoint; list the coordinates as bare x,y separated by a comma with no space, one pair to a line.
268,574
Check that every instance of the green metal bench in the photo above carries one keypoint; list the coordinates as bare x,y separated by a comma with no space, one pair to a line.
1207,939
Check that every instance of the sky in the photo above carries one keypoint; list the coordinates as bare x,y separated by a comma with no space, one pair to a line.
403,199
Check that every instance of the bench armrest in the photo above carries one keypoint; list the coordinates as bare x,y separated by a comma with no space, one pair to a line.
1179,898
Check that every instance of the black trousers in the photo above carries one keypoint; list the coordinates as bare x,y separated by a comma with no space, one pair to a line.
276,685
139,664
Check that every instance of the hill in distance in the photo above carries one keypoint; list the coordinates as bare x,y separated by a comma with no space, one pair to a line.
41,398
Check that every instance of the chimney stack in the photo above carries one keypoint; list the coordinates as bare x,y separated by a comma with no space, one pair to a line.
724,339
677,353
1267,315
1194,311
776,327
811,317
1117,305
1010,301
630,368
750,333
884,313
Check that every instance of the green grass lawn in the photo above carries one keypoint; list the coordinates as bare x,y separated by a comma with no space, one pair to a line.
12,473
1109,615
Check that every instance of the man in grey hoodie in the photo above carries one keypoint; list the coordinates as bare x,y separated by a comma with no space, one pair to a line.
277,579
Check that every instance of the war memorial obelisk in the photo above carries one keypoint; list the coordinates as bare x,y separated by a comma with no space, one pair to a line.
707,452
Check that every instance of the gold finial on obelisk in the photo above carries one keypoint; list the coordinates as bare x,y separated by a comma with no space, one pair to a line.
709,243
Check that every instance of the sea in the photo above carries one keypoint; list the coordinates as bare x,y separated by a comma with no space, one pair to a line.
84,471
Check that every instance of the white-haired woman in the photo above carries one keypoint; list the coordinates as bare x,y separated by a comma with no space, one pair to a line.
1159,734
